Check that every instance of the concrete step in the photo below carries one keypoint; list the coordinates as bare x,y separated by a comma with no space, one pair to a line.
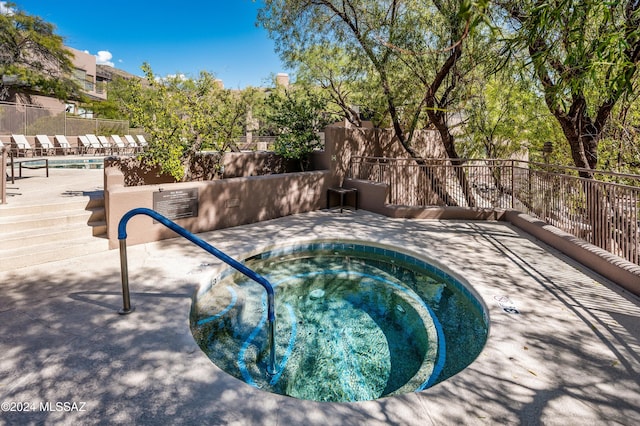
99,228
44,233
7,210
97,214
58,220
50,252
38,236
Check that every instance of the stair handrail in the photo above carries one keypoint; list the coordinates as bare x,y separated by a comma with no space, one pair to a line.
124,272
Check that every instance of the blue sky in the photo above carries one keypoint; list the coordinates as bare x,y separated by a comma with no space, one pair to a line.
218,36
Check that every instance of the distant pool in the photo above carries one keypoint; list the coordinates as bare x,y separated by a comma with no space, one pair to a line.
75,163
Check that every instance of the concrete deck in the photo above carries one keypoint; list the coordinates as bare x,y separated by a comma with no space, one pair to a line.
572,355
62,184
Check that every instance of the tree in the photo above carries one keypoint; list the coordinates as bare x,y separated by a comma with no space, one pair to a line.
412,51
585,55
183,116
505,116
297,115
619,147
33,58
345,78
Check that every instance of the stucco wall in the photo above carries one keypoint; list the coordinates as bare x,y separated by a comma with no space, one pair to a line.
222,203
343,143
247,199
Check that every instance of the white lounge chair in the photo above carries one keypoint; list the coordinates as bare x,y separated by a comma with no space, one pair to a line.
64,145
142,141
106,145
95,143
21,145
46,146
131,142
117,140
85,145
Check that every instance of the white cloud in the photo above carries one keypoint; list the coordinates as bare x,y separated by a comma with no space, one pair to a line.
179,77
104,58
5,10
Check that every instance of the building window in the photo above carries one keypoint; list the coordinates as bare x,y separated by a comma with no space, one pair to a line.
80,76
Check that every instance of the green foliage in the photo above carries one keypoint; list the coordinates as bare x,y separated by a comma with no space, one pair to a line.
564,66
182,116
619,148
401,63
33,57
505,116
585,56
297,115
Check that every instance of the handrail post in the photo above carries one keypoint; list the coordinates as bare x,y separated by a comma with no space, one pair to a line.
124,276
271,366
124,273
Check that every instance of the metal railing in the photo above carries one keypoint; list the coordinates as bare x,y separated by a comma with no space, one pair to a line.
124,271
604,211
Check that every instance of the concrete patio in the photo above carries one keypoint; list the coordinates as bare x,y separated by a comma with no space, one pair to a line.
571,356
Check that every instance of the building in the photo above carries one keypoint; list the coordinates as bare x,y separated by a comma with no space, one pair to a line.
84,73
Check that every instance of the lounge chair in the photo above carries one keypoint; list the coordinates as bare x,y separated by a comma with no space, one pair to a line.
131,142
21,145
104,141
119,143
95,143
46,146
142,141
64,145
85,145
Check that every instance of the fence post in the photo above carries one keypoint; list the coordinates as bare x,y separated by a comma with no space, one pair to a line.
3,176
513,183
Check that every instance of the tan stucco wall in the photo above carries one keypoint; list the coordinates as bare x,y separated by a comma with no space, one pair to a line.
343,143
222,203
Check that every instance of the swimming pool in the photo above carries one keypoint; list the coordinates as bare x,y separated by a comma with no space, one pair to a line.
355,322
74,163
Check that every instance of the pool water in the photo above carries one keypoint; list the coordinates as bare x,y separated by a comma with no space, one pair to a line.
353,323
76,163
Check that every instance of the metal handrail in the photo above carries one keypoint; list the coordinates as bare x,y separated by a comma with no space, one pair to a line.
126,299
